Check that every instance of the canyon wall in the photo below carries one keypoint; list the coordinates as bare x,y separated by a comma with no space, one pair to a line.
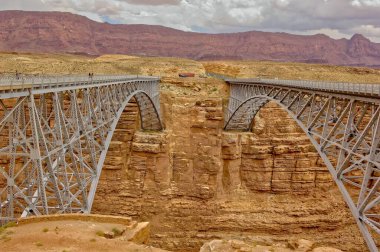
276,157
194,182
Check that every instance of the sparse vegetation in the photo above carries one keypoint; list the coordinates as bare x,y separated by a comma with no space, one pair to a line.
292,71
8,225
39,244
5,238
100,233
93,240
106,64
117,231
45,230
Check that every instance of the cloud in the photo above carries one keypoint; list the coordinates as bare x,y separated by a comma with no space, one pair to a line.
336,18
369,31
154,2
33,5
365,2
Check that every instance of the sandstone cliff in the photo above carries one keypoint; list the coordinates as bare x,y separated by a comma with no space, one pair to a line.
196,183
64,32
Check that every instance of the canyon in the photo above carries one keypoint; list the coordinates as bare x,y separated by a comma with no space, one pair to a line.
57,32
197,184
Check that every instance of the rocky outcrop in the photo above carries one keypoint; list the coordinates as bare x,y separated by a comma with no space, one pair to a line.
64,32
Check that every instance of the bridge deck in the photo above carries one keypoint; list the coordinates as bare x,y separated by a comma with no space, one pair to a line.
367,90
16,87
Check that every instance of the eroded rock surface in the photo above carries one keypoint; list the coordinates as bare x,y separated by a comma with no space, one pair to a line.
263,246
195,183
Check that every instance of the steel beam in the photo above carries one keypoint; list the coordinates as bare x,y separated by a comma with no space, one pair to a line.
341,122
55,136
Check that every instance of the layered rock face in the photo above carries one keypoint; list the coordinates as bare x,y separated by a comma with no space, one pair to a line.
236,245
65,32
195,183
277,157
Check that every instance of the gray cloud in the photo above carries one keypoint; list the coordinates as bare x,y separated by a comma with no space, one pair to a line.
336,18
23,5
154,2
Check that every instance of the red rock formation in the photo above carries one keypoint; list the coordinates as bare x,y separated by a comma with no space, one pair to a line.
69,33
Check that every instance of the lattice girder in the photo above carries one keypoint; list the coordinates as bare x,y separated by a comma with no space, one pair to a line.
54,142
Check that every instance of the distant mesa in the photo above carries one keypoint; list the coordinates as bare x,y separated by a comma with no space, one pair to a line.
61,32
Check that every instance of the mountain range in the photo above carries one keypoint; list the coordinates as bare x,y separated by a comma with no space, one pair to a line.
61,32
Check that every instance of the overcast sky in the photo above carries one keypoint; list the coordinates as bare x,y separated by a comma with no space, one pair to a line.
336,18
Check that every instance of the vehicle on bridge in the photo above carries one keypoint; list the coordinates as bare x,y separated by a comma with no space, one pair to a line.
186,75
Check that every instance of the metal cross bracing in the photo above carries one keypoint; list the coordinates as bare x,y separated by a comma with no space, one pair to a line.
54,137
342,123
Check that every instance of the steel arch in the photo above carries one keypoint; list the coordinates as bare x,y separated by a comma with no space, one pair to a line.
107,143
57,136
343,127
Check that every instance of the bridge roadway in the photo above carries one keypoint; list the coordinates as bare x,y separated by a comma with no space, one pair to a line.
54,135
342,121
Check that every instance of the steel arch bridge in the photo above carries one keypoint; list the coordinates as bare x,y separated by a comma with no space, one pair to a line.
341,120
54,137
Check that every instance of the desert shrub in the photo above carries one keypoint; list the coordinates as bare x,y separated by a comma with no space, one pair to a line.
116,231
100,233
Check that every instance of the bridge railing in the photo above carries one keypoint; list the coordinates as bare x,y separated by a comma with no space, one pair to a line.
341,87
38,81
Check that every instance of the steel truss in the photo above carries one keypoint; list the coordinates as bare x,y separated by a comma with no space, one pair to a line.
343,126
55,137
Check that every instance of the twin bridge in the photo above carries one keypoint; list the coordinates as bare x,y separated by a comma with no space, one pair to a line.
55,133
